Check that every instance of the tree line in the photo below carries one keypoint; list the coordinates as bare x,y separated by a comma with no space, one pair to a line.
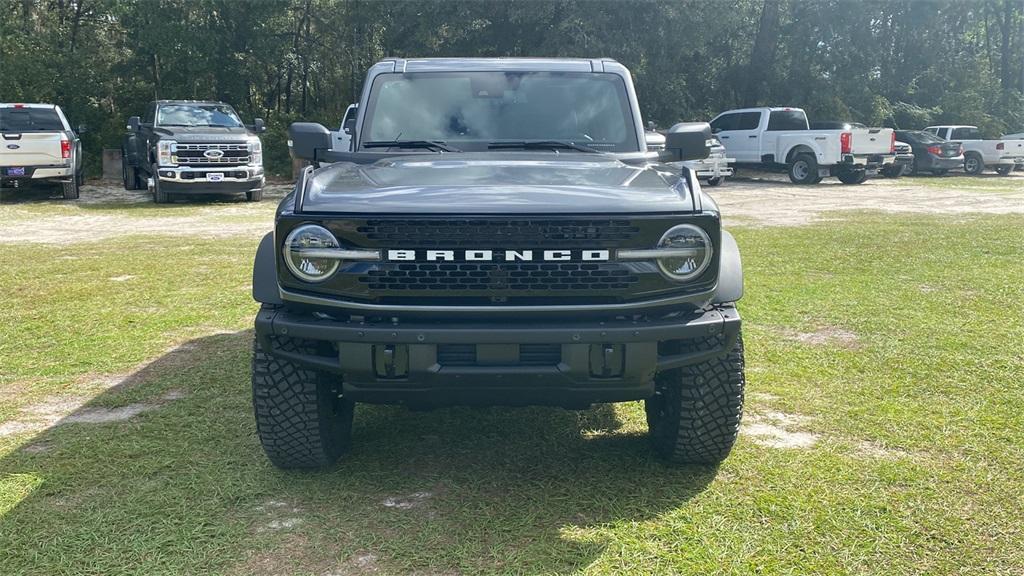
899,63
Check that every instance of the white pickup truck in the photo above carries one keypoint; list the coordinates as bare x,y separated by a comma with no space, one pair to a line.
341,139
38,145
780,138
979,153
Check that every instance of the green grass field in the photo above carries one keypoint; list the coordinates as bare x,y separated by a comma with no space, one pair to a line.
885,429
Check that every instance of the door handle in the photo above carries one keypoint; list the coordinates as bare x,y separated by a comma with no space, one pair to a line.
752,136
724,137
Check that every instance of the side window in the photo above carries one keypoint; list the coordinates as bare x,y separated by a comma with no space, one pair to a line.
748,121
787,120
724,123
966,134
934,131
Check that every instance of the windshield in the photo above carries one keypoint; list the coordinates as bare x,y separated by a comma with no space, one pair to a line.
30,120
470,110
197,115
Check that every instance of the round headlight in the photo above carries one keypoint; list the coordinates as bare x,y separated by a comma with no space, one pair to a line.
300,257
688,252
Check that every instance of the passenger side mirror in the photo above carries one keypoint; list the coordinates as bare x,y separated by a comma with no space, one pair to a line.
688,141
308,137
133,123
258,126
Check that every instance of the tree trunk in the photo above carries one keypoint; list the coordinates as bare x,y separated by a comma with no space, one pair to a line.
762,56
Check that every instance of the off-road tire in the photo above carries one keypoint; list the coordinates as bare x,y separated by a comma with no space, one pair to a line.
694,416
717,181
1004,170
973,163
159,194
804,169
70,189
853,176
939,172
892,171
254,195
301,419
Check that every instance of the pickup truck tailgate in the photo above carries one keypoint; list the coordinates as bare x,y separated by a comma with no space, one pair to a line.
871,141
31,148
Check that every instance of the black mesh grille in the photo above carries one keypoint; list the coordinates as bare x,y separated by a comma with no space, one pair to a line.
601,277
529,355
504,233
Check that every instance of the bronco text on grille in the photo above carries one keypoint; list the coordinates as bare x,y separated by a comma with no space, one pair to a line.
522,247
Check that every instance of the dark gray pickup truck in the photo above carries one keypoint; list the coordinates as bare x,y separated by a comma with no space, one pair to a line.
193,147
506,240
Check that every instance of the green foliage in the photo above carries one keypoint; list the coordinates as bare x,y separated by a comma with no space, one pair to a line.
893,62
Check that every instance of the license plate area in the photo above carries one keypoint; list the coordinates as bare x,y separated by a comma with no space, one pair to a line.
15,171
214,176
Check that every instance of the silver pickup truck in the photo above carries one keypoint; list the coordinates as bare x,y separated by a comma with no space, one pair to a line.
37,145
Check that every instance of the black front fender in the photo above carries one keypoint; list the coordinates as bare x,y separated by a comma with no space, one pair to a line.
264,273
730,271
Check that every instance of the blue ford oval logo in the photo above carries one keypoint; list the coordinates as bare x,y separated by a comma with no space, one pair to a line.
13,146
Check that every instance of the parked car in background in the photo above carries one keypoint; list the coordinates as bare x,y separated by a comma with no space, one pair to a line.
37,145
931,153
341,140
980,153
777,138
904,163
835,125
713,170
1017,136
191,146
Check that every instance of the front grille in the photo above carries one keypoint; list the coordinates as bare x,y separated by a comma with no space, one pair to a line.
456,354
503,233
529,355
903,149
195,154
518,277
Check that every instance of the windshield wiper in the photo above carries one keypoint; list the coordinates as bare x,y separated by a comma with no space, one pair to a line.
435,145
542,145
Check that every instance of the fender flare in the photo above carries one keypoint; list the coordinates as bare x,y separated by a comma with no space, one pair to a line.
264,273
730,272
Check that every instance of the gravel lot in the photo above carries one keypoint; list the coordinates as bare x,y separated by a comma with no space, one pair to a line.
106,210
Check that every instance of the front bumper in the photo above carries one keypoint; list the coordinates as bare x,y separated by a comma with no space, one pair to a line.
570,364
203,180
904,159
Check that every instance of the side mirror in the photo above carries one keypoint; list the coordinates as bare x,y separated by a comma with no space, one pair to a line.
258,126
308,137
82,129
133,123
688,141
349,127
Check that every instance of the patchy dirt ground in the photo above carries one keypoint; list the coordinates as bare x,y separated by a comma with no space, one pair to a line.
106,210
771,200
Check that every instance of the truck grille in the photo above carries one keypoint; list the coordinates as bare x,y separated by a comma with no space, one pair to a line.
195,154
494,233
529,355
517,277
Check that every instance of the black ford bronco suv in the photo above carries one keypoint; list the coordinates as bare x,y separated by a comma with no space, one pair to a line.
194,147
497,235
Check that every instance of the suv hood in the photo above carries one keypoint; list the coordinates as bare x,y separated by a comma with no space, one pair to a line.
203,134
497,183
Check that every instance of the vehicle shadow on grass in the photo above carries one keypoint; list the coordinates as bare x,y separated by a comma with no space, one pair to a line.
183,487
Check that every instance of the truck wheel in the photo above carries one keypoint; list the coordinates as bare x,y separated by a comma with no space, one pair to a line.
254,195
939,172
1004,170
717,181
804,169
130,176
973,164
853,176
301,419
70,189
694,416
159,194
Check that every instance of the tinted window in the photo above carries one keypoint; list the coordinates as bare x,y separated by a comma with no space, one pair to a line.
787,120
29,120
197,115
472,109
724,122
966,134
748,121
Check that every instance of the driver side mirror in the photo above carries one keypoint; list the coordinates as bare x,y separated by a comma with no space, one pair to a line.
133,123
258,126
688,141
350,126
306,138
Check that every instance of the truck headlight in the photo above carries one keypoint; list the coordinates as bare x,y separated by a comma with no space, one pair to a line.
255,152
166,153
300,249
687,252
